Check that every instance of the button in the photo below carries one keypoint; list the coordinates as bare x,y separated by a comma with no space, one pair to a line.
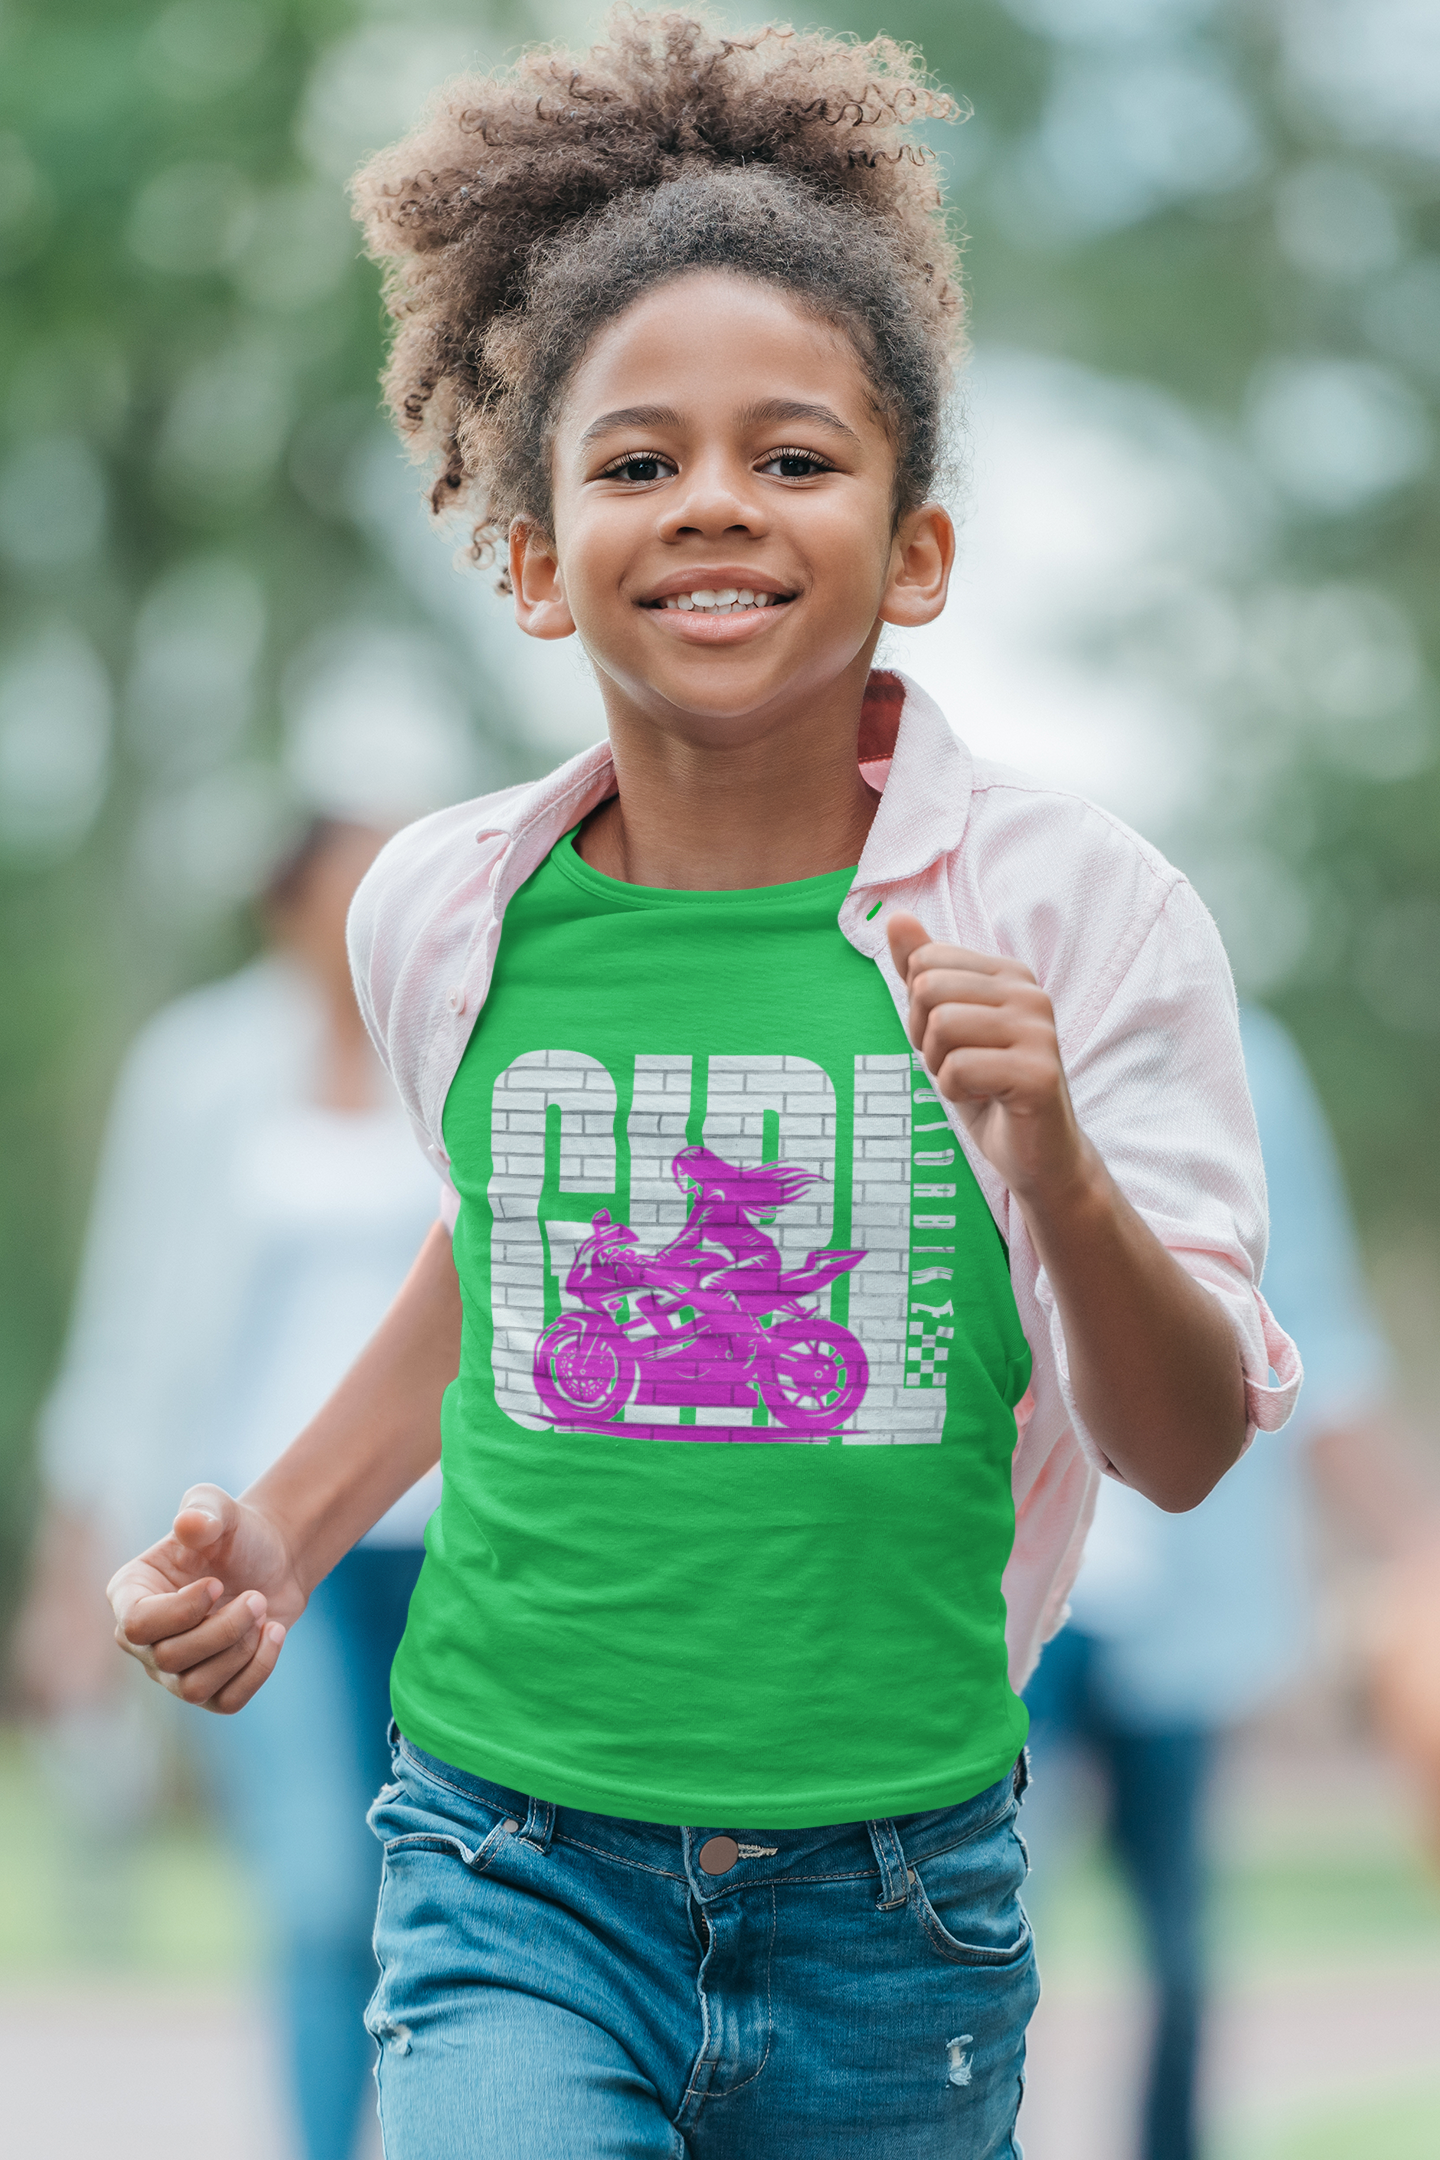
457,1001
718,1855
510,1825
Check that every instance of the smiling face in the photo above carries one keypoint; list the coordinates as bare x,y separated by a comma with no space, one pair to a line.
724,538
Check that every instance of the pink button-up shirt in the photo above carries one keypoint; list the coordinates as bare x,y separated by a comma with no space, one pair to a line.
1118,939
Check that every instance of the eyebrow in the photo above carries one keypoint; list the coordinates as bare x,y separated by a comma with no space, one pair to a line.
665,416
776,409
632,416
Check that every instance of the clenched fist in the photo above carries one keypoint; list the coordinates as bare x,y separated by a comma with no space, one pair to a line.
986,1031
206,1609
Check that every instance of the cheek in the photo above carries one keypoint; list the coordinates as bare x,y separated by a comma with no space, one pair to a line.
592,545
855,552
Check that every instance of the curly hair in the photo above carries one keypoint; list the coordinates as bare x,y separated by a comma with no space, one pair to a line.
533,207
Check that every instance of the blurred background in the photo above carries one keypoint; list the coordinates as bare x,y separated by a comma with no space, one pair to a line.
1198,583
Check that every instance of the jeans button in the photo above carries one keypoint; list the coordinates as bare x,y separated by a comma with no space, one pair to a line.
718,1854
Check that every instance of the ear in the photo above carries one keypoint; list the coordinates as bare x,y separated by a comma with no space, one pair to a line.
541,608
921,560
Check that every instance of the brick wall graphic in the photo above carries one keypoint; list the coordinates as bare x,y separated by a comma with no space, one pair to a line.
896,1205
584,1094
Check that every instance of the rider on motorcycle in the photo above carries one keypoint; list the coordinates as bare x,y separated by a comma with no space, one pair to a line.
720,1235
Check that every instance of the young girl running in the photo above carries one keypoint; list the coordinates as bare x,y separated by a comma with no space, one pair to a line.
707,1751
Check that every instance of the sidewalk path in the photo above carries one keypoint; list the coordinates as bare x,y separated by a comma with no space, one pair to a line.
1279,2052
91,2068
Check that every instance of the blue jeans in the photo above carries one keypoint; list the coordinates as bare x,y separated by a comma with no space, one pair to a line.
558,1982
293,1776
1156,1782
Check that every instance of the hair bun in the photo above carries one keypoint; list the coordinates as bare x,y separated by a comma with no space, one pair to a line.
504,161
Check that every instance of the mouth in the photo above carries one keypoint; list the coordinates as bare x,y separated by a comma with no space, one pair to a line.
730,600
720,593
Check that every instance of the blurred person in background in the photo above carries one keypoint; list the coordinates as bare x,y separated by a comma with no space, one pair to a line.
259,1202
1182,1625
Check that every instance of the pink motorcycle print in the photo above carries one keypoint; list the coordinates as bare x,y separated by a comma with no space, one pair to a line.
711,1320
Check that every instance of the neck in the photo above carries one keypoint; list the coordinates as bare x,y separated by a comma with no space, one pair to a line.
765,806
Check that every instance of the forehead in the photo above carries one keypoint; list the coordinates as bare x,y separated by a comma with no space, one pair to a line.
713,342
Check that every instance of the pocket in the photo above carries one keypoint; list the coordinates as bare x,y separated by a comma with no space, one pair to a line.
440,1841
967,1900
416,1814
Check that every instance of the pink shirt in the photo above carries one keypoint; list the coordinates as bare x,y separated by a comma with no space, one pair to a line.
1118,939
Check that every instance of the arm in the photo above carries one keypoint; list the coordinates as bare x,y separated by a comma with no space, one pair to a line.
1154,1365
206,1609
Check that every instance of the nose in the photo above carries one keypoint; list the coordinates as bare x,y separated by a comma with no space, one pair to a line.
720,496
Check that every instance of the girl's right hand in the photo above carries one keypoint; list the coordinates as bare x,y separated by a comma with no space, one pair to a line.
206,1609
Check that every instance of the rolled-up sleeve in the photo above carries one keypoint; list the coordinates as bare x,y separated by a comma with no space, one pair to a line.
1159,1087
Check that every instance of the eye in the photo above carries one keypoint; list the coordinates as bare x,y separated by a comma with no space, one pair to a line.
794,464
642,468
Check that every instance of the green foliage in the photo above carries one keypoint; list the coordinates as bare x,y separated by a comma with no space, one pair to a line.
1201,293
188,349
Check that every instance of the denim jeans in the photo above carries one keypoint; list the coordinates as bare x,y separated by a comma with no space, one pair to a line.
559,1982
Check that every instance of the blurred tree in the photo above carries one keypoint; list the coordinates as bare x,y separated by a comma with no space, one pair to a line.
1237,203
188,348
1241,204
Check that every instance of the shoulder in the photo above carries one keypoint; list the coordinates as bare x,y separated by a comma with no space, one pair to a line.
1018,826
416,917
424,860
429,869
1078,895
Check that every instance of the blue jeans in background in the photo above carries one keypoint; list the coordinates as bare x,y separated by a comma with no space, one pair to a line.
1156,1782
560,1983
292,1777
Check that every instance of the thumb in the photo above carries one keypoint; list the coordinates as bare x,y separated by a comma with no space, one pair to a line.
906,934
204,1517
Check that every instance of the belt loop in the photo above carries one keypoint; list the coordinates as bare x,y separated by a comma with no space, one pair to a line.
1022,1773
894,1875
392,1734
539,1825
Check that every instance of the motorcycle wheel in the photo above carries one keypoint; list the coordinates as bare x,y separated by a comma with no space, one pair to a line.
818,1375
584,1370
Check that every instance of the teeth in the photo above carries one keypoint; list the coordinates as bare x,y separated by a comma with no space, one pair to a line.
719,603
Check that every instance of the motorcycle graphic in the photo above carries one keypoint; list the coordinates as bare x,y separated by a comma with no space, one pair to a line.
712,1320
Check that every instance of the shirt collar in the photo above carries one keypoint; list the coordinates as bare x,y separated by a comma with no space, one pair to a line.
924,772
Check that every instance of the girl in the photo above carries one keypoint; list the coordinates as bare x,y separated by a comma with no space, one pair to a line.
707,1753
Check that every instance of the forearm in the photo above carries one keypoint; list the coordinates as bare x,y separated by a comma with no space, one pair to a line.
1154,1364
378,1432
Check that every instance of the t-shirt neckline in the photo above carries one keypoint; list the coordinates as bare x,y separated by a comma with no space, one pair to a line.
568,859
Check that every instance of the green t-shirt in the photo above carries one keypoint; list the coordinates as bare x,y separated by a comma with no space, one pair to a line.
727,1463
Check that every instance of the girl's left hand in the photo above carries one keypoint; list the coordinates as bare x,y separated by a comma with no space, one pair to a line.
986,1031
